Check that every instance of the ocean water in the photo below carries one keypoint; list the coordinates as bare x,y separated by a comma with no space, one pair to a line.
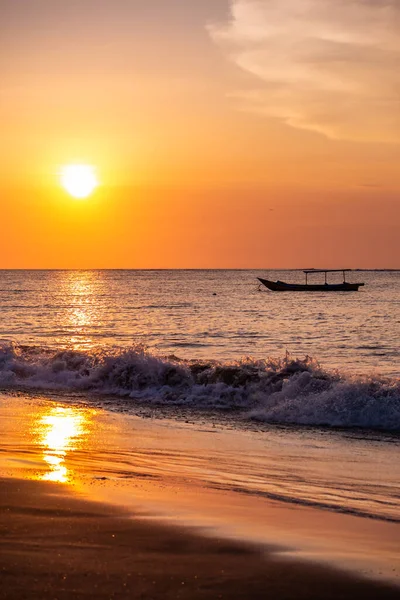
208,340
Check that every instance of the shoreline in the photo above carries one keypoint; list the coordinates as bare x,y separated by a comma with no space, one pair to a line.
57,545
193,479
233,418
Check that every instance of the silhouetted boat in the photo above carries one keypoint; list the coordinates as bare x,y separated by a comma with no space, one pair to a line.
281,286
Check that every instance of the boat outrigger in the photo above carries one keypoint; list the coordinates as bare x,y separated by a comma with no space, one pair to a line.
281,286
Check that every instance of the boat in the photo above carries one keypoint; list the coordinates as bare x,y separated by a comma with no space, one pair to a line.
281,286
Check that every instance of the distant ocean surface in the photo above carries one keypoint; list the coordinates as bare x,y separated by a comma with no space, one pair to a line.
208,339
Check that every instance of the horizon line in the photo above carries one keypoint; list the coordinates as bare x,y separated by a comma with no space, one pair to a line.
195,268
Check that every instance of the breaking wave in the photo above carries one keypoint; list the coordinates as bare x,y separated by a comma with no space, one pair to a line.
284,391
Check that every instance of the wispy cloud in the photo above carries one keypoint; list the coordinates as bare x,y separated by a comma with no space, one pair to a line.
331,66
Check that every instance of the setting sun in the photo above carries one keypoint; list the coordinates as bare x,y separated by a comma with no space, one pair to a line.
79,180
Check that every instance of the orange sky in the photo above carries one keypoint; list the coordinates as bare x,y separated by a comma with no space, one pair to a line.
247,133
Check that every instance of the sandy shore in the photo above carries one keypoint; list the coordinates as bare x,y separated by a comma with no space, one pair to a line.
54,545
102,505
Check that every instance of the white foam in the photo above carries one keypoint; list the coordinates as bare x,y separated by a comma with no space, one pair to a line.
286,390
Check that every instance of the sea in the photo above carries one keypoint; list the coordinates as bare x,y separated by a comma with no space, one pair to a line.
303,389
208,339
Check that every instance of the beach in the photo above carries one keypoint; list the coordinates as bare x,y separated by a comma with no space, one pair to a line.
56,546
96,504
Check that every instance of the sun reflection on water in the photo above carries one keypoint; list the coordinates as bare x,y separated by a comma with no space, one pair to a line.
60,431
82,314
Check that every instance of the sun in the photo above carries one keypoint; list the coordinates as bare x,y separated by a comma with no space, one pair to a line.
79,180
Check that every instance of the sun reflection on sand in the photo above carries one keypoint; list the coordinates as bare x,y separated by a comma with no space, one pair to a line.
60,431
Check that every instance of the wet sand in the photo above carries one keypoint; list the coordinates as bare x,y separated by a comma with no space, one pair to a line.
55,545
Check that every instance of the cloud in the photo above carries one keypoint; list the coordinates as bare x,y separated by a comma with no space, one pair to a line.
331,66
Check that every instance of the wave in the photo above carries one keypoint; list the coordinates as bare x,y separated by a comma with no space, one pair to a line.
284,390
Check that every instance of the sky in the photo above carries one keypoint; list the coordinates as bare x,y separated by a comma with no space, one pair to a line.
224,133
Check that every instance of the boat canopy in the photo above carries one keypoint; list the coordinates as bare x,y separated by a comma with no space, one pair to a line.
310,271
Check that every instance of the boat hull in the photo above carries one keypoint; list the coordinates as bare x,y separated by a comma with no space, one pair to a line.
281,286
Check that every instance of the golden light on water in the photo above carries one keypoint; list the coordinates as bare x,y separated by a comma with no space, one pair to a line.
61,430
79,180
82,313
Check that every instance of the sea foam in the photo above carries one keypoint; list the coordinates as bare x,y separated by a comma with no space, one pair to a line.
284,390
